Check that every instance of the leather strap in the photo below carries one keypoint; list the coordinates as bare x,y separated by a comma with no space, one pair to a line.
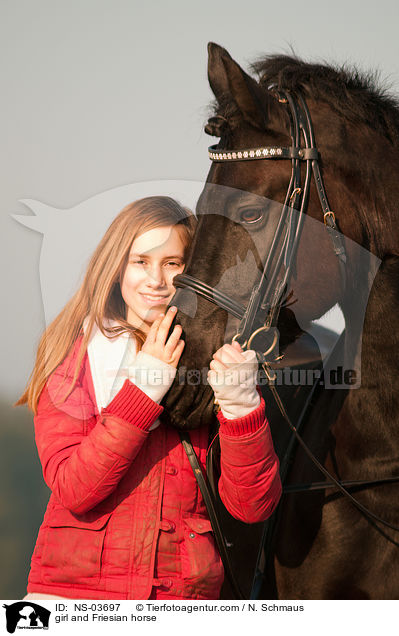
210,506
211,294
322,485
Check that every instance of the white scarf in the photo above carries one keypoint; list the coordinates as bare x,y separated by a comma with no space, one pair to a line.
110,359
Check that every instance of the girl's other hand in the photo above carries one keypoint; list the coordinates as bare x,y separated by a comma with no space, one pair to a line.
158,344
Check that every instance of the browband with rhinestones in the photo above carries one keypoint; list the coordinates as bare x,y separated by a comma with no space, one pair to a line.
264,152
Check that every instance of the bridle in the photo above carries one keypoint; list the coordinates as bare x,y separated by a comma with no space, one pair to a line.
259,318
261,314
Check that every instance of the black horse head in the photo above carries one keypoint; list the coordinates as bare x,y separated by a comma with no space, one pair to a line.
241,201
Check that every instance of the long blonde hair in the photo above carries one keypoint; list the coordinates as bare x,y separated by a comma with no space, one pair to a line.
99,298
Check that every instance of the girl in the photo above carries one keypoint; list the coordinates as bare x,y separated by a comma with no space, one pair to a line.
125,519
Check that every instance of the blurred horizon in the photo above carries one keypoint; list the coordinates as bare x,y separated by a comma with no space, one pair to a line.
23,497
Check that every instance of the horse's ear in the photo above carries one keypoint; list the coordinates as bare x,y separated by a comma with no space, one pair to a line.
228,80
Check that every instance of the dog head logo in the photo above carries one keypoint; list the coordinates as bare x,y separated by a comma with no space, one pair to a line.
24,615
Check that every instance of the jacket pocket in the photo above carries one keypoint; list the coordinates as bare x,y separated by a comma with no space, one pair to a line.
73,547
201,562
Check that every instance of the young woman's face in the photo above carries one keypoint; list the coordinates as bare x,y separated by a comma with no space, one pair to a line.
155,258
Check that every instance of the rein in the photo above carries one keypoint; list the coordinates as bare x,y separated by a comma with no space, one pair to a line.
322,485
209,500
333,482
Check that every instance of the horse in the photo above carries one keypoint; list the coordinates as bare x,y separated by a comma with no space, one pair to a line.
318,545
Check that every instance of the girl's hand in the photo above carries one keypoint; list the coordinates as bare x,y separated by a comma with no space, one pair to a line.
158,344
226,356
232,376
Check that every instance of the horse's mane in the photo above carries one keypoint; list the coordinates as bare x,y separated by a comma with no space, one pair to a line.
356,95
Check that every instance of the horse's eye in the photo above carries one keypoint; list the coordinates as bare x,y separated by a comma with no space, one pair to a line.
251,215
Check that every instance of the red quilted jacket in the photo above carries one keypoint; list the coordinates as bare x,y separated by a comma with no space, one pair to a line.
125,519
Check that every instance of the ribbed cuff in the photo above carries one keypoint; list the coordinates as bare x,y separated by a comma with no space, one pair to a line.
134,406
243,425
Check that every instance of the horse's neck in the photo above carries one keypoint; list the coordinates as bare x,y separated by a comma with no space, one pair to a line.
373,407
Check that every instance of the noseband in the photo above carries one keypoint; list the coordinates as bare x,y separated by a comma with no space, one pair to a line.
260,316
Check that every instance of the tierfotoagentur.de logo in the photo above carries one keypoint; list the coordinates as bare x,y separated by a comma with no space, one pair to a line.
22,615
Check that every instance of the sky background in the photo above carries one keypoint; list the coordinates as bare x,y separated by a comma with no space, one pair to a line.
100,94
